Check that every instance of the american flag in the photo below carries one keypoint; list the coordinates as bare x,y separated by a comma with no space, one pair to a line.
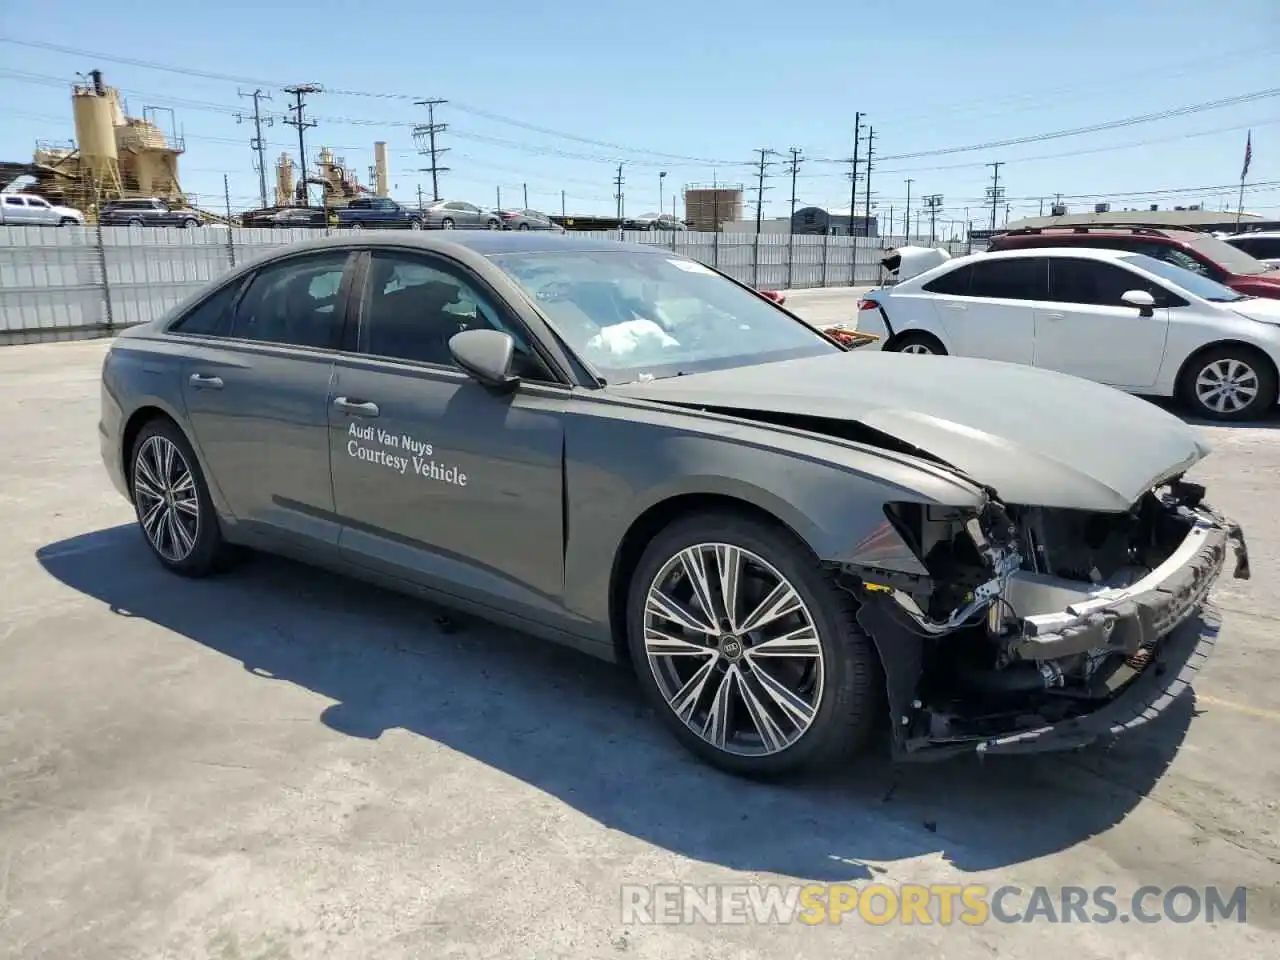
1248,155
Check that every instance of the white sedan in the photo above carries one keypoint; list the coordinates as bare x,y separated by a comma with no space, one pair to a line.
1123,319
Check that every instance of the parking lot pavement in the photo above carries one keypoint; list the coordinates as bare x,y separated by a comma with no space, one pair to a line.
277,763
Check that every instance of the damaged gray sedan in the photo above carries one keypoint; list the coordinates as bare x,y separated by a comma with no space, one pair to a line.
618,448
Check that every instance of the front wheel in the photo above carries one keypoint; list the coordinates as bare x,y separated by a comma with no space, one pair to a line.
172,502
494,225
356,226
524,226
748,650
446,224
190,224
1229,383
415,224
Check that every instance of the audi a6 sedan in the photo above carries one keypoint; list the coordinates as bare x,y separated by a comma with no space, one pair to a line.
620,449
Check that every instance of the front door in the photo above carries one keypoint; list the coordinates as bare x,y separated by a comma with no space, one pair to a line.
1088,331
436,478
258,397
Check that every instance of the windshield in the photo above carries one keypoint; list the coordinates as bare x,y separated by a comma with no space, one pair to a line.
639,316
1228,257
1194,283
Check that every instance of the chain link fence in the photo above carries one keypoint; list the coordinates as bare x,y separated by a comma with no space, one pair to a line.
77,282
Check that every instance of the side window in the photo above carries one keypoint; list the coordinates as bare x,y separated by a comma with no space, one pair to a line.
1182,259
207,316
412,307
1020,278
294,302
37,203
13,202
1097,284
954,283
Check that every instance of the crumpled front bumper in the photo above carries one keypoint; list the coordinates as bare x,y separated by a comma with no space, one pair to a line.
1159,632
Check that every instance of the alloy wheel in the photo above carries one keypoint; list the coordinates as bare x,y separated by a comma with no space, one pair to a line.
918,348
734,649
1227,386
164,492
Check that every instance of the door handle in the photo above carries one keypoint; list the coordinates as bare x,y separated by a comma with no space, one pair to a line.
359,408
1056,316
201,380
957,306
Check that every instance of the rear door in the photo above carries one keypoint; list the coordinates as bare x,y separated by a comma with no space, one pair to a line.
993,314
257,393
1089,331
437,479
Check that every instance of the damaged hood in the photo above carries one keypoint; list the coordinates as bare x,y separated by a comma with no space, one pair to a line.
1036,437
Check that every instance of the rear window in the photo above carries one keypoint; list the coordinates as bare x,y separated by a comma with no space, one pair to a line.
1229,257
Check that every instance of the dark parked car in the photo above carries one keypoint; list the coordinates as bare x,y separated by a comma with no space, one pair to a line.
621,449
653,221
1200,253
145,213
528,220
378,213
460,215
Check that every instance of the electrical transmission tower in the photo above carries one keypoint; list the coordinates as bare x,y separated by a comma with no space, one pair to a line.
298,91
765,153
425,136
995,192
618,181
932,204
257,144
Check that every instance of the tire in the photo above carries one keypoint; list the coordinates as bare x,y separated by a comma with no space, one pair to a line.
197,548
69,222
524,226
446,223
190,224
1252,386
835,682
493,225
918,343
415,224
135,222
356,226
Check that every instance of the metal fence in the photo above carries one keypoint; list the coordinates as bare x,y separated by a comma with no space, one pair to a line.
77,282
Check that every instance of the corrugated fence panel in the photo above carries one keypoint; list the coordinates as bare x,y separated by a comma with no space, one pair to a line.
81,281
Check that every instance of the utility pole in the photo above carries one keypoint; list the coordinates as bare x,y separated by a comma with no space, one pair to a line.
526,195
618,181
995,192
933,203
853,174
562,213
795,169
791,223
906,223
420,198
298,91
871,139
499,199
662,175
428,131
257,144
760,187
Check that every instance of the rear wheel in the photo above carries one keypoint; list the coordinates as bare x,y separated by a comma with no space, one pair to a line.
918,343
356,225
748,651
68,222
135,221
172,502
1229,382
523,226
190,224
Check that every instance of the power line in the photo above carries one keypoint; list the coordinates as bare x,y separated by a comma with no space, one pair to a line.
257,144
428,131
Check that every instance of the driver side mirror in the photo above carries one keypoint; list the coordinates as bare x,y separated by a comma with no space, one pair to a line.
487,356
1144,301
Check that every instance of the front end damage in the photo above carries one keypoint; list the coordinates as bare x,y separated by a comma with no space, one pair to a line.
1026,629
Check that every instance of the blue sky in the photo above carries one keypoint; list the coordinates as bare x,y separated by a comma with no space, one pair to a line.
694,89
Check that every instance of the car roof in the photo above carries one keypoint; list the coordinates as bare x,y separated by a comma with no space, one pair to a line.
1102,230
1264,234
484,242
1091,253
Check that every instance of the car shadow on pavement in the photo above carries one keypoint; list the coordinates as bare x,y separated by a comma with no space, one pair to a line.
578,729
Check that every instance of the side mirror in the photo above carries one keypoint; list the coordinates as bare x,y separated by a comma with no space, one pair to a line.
486,355
1144,301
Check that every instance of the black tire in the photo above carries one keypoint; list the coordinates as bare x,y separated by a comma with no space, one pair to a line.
356,225
524,226
190,224
446,223
415,224
493,225
68,222
209,552
135,222
852,690
1262,377
917,342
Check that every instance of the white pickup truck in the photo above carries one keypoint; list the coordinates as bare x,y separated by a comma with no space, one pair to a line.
28,210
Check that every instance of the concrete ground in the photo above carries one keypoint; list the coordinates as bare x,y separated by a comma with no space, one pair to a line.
281,764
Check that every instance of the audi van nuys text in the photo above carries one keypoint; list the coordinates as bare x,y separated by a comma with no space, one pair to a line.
416,455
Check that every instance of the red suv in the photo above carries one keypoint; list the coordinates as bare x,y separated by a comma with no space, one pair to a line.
1199,252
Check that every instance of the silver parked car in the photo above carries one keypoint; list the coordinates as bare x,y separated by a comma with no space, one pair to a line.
618,448
459,215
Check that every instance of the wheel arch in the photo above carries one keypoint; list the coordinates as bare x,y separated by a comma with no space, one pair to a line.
649,524
917,332
1186,365
134,424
